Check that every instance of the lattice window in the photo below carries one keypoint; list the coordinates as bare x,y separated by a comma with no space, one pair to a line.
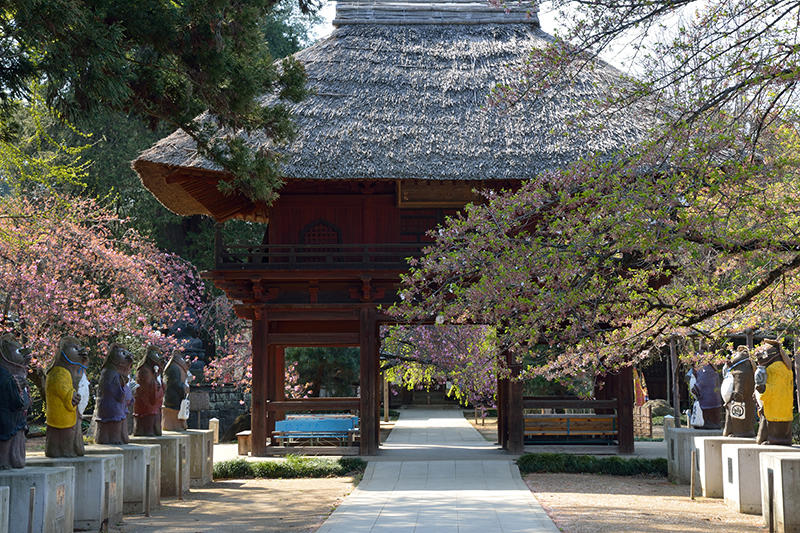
320,233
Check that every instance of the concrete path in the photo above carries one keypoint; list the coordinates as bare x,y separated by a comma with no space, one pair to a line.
436,474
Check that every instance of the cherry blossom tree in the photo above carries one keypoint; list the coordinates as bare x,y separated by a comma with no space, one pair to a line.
71,267
692,231
464,357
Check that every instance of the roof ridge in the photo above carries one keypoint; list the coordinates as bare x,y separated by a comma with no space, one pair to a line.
435,12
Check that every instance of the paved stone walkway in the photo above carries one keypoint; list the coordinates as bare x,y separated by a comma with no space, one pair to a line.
436,474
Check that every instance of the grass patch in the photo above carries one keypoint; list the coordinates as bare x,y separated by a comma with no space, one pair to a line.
588,464
294,466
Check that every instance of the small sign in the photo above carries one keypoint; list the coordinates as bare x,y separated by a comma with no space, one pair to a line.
61,497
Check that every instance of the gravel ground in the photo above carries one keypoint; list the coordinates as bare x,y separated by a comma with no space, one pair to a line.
588,503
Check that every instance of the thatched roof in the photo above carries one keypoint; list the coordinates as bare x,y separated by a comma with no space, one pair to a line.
406,100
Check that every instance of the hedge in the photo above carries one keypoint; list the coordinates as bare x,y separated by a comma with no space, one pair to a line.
294,466
588,464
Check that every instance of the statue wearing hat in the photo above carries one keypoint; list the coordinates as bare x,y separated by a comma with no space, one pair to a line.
114,397
737,391
774,384
15,400
149,395
64,437
175,412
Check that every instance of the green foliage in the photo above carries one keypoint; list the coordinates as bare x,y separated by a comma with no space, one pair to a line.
588,464
336,370
294,466
163,62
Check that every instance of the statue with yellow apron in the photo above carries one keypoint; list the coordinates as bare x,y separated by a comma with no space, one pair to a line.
774,392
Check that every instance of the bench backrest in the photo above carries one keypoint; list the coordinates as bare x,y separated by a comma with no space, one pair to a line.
312,425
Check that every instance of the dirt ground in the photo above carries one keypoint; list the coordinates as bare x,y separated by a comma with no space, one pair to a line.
588,503
239,506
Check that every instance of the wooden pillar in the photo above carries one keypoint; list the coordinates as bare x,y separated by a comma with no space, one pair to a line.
276,376
624,385
258,401
501,413
676,383
514,413
368,381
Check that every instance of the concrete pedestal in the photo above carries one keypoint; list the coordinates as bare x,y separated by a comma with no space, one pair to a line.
98,490
201,467
53,498
5,495
709,462
741,475
136,458
785,470
680,443
175,461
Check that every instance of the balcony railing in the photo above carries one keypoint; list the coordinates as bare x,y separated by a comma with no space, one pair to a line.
384,256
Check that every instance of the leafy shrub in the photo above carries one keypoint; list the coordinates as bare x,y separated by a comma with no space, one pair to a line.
294,466
588,464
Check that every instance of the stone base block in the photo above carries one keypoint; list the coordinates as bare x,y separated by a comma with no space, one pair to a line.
680,443
5,495
175,461
709,462
136,459
785,470
201,467
53,498
97,480
741,483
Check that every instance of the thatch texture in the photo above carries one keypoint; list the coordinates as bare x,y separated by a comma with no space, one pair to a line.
407,101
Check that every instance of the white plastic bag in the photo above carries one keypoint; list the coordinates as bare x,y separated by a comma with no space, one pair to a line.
183,412
83,391
726,388
696,420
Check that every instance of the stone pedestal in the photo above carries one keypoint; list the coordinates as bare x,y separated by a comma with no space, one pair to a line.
213,425
5,495
785,469
201,466
741,475
175,460
680,443
709,462
136,458
53,498
98,494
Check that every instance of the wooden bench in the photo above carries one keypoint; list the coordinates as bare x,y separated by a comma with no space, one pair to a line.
320,428
572,425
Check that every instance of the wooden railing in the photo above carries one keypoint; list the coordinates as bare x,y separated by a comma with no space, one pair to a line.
315,404
383,256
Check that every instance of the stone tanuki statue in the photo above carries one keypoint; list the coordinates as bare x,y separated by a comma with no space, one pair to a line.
62,398
737,393
774,390
176,394
15,400
707,391
114,397
149,395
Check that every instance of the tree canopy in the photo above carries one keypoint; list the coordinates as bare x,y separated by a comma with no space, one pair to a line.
164,62
693,231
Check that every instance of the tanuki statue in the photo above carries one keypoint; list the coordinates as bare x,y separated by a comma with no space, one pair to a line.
64,437
737,391
149,395
15,400
114,397
176,392
774,388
